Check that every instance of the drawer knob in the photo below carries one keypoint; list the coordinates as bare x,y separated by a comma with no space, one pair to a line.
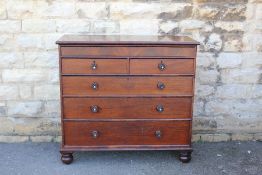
161,66
94,65
94,86
94,134
94,109
160,108
158,134
161,86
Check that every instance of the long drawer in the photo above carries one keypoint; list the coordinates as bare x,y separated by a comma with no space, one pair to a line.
124,86
127,108
127,133
161,66
122,51
95,66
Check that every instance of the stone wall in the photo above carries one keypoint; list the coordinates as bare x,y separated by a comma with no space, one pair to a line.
228,103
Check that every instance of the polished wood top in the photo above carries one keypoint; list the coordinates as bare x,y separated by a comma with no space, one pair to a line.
126,39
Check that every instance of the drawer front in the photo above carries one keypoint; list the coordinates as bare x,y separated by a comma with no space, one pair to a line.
162,66
124,51
111,86
127,108
95,66
126,133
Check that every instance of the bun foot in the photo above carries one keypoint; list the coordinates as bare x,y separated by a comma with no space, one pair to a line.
185,156
67,158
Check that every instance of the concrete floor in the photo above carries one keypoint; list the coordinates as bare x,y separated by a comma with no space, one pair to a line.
233,158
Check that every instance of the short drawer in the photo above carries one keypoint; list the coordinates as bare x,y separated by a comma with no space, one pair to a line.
127,133
127,108
95,66
129,51
124,86
162,66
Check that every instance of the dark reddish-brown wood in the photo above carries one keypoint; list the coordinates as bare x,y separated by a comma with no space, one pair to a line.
127,108
95,66
122,51
126,133
162,66
126,93
124,86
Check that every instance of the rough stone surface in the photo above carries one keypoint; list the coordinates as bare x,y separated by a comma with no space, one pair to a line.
25,109
228,89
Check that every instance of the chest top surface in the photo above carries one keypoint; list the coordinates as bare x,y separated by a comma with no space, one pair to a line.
126,39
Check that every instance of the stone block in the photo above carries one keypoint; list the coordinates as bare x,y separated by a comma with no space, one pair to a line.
232,26
105,26
25,91
37,126
205,60
4,38
53,76
41,138
50,41
211,137
49,92
52,108
221,137
24,75
3,14
234,12
7,126
18,9
24,108
169,27
11,60
238,110
213,43
10,26
57,139
125,10
204,124
229,60
176,11
251,59
207,76
13,139
6,43
198,107
92,10
38,25
9,92
259,11
204,90
244,75
41,59
187,25
234,91
73,25
242,136
207,11
29,41
139,27
56,9
233,43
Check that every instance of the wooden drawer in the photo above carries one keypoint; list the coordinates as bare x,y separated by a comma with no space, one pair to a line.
127,133
162,66
127,108
95,66
124,86
128,51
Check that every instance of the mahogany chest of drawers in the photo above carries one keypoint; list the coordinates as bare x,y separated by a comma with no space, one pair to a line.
126,93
